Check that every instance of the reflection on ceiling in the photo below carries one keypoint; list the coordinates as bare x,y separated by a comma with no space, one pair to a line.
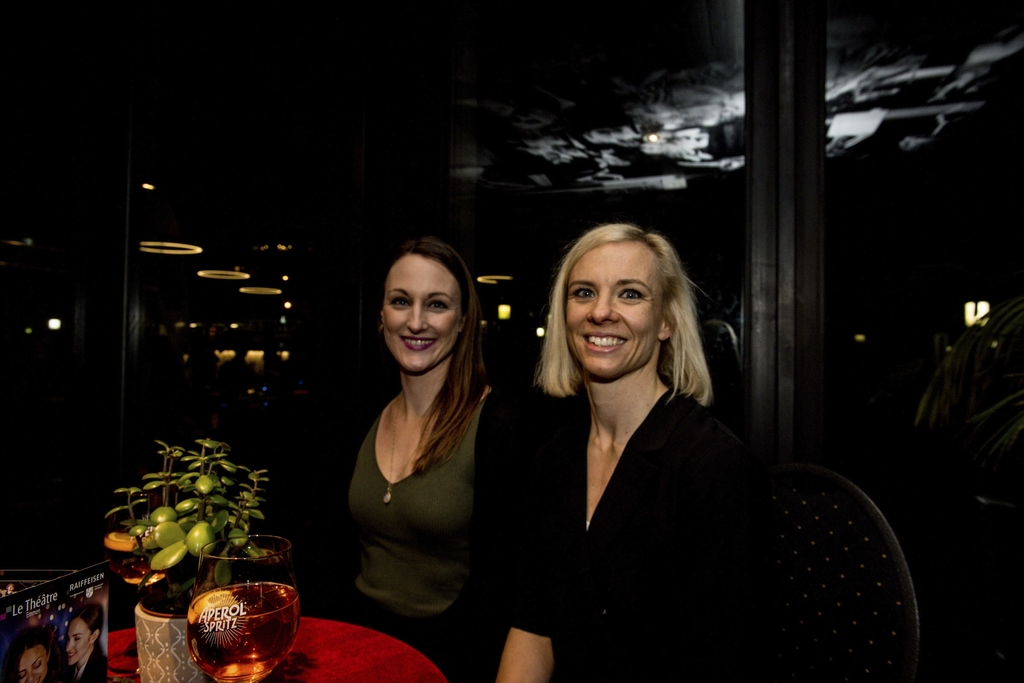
589,99
909,84
897,84
613,133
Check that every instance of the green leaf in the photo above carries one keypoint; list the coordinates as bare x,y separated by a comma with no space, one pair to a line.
117,509
168,533
222,572
238,537
219,521
256,514
153,485
169,556
199,536
205,484
186,506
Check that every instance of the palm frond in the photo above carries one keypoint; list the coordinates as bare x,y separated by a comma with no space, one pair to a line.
978,388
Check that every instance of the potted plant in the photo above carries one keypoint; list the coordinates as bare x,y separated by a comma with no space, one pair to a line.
201,496
977,390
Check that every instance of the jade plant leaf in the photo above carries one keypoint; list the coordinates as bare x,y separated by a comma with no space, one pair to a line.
169,556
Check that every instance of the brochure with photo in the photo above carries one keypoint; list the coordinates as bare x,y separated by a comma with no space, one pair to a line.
53,625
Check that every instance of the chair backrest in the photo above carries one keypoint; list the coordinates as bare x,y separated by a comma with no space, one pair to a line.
844,607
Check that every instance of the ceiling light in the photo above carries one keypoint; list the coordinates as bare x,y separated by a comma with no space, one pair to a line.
169,248
492,279
147,186
974,312
259,290
223,274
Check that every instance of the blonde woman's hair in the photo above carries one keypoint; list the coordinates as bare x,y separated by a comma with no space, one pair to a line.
681,362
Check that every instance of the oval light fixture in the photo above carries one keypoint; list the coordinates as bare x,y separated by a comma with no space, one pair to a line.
492,279
223,274
169,248
259,290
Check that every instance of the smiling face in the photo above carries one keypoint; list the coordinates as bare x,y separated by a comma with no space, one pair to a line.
422,314
32,666
613,315
80,642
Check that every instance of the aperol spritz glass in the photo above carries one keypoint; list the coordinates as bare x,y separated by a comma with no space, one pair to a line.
245,609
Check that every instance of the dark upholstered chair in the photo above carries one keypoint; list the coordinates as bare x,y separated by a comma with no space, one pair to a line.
844,608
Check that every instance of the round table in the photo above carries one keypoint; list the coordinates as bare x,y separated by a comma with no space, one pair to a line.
324,651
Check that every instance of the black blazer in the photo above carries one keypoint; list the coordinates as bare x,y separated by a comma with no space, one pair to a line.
95,669
665,584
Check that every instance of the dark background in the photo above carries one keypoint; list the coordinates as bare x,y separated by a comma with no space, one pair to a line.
334,133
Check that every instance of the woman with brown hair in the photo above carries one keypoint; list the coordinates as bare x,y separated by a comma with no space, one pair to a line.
33,657
430,483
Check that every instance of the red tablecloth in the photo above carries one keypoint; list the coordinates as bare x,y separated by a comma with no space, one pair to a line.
326,651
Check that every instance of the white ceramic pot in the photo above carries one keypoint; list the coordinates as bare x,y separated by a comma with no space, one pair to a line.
163,650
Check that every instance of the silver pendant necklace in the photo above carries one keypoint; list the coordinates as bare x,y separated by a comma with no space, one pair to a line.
391,462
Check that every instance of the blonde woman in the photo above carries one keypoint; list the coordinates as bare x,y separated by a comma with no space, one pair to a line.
645,528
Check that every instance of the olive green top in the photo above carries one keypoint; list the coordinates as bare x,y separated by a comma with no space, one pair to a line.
415,549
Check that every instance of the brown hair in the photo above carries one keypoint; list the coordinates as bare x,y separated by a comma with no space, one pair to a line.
26,640
466,384
91,615
681,362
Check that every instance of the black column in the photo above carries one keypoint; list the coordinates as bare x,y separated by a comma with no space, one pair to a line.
783,292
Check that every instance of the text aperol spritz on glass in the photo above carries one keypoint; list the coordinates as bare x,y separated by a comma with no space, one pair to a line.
244,612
